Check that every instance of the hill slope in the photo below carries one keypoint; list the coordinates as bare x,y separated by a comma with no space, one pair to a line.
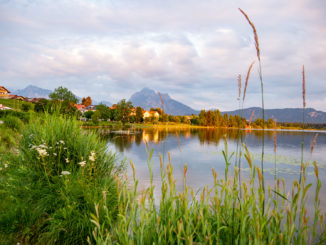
148,98
283,115
32,91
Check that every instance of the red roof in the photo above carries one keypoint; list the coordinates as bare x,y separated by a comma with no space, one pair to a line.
79,107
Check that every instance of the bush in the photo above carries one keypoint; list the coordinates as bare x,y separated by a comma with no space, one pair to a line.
13,123
51,190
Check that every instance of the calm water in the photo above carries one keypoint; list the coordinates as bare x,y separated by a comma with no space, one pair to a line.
201,150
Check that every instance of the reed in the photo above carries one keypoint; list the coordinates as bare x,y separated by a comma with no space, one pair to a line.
212,215
261,86
303,114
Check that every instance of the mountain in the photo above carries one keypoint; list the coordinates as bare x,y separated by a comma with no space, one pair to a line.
283,115
33,92
148,98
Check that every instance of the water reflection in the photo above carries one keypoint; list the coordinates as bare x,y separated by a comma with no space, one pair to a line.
200,149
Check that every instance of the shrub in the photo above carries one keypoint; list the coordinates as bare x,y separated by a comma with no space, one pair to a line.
51,190
13,123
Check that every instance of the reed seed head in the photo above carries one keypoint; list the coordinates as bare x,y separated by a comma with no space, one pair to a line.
313,144
239,86
254,31
251,117
247,79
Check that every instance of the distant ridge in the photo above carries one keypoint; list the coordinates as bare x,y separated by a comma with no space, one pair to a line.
283,115
32,91
148,98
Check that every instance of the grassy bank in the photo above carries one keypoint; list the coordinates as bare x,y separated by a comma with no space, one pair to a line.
59,185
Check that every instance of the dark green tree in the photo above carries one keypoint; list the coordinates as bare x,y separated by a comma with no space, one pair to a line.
41,106
63,94
139,114
104,111
123,110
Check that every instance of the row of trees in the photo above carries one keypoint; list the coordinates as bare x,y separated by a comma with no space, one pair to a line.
214,118
65,100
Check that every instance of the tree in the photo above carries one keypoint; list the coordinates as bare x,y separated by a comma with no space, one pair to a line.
88,114
104,111
95,117
123,110
139,114
63,94
87,101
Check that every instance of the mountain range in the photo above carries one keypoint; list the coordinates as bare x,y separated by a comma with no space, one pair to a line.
148,98
290,115
32,91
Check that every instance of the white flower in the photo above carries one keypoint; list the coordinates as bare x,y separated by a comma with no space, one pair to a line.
6,165
82,164
92,156
54,154
61,141
42,152
42,146
0,169
65,172
65,148
67,160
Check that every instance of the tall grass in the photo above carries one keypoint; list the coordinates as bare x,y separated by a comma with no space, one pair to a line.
261,87
48,191
215,215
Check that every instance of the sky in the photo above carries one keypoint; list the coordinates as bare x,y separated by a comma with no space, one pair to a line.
193,50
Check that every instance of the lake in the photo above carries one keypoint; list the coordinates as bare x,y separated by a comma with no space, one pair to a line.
201,150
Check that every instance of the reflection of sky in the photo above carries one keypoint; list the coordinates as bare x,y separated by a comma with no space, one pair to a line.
202,158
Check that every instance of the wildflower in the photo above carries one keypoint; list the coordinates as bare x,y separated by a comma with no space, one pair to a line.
42,146
65,173
65,148
6,165
0,169
67,160
92,156
54,154
42,152
82,163
61,141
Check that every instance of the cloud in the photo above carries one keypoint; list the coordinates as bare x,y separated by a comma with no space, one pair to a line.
193,50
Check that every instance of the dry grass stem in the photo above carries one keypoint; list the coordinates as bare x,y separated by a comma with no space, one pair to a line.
275,136
251,117
239,85
254,31
313,143
161,102
303,87
247,79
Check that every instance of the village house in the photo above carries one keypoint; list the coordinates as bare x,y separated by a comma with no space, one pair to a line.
5,93
150,114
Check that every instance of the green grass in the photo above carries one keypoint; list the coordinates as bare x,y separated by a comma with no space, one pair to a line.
215,215
48,189
15,104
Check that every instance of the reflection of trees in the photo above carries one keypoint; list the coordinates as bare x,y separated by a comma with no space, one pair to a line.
211,135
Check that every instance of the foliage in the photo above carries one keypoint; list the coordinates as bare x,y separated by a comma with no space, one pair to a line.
123,110
26,107
104,111
139,114
42,105
63,94
48,191
95,117
87,101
